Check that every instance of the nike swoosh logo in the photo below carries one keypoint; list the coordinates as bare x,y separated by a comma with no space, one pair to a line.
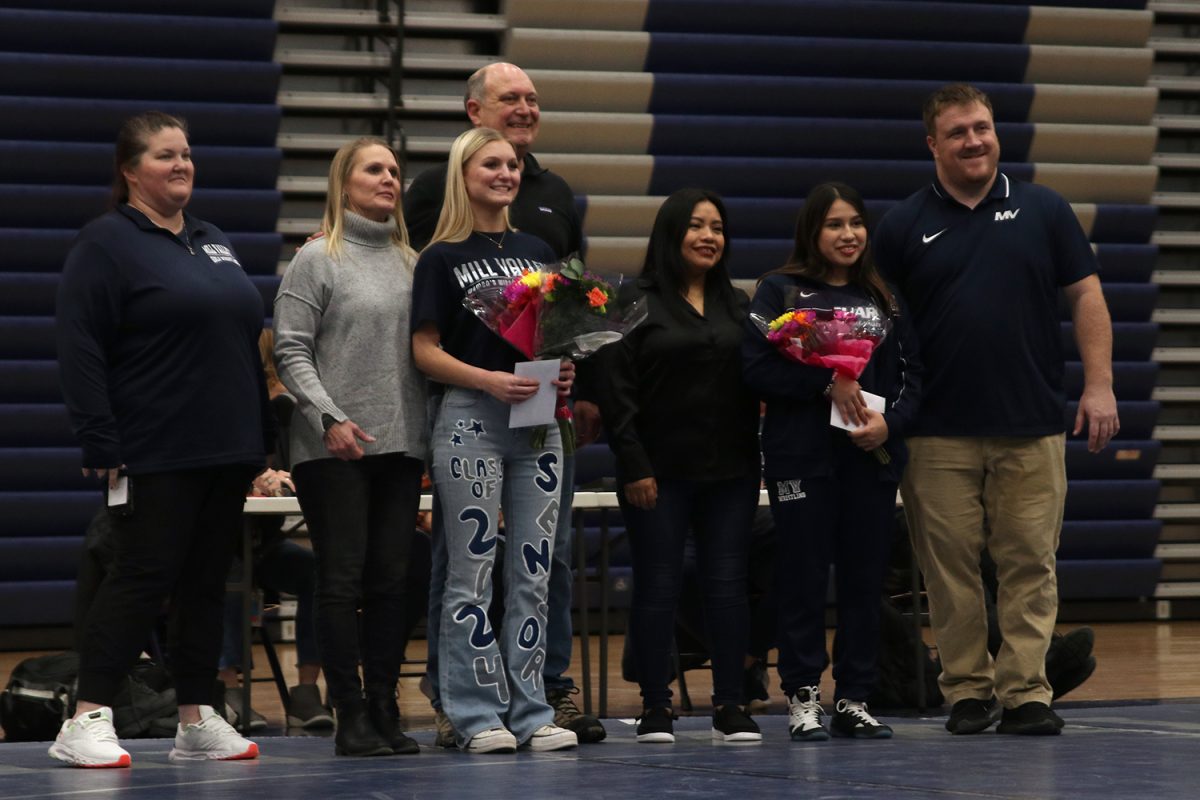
928,239
807,295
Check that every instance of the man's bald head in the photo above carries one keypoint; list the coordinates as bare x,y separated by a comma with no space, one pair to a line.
502,96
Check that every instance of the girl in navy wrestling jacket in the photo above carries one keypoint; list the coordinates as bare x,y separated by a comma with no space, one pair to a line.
832,497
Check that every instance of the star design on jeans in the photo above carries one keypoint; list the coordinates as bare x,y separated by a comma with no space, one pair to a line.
476,427
456,439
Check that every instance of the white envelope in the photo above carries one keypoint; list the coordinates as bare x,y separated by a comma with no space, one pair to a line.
539,409
874,402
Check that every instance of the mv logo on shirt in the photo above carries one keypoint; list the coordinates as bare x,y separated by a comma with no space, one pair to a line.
1005,216
219,253
790,490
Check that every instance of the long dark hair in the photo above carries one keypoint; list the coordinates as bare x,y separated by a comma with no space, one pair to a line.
664,255
806,259
132,141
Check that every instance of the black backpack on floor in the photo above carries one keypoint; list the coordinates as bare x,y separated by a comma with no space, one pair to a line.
34,704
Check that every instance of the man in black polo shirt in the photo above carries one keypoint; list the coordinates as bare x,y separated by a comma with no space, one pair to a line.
501,96
981,257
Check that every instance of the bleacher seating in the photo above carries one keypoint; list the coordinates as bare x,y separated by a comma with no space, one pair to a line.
70,72
761,99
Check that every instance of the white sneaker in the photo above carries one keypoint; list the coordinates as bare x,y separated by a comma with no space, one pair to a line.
493,740
90,741
552,737
211,739
804,715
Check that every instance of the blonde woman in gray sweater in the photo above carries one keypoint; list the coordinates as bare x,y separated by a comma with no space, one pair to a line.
358,439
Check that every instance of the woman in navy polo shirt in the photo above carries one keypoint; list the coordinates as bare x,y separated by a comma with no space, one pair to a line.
158,354
833,500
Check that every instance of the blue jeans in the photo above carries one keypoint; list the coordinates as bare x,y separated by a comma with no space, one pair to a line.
559,633
286,567
720,513
558,623
479,466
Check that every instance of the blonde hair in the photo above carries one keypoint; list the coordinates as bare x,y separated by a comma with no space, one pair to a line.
336,203
457,221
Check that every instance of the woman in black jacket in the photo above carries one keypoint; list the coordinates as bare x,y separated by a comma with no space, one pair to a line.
832,495
683,428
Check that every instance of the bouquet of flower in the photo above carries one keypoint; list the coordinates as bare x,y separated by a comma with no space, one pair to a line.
835,339
839,340
561,310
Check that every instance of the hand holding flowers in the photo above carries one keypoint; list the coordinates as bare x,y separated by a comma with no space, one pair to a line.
560,310
842,341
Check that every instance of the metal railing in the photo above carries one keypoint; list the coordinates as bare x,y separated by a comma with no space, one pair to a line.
393,131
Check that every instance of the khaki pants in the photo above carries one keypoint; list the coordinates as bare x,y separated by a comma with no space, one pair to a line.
962,494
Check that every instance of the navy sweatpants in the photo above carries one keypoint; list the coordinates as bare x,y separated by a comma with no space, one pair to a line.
845,520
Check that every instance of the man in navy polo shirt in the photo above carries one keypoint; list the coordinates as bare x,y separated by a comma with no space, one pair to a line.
981,257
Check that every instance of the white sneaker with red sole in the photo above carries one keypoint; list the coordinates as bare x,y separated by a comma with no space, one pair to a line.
211,739
90,741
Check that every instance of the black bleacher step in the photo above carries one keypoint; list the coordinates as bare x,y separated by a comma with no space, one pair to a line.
1108,578
42,469
40,558
28,603
35,425
29,381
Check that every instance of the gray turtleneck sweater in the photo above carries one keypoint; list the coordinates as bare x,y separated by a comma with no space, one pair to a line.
342,344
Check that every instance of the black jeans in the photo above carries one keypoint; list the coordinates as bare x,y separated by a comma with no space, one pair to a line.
720,514
361,517
845,520
177,543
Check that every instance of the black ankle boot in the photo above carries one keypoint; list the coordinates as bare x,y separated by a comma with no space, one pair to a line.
356,736
385,717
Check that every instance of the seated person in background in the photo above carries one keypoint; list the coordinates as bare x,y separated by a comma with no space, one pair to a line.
280,565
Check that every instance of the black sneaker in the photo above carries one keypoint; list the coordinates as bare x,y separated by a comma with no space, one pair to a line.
754,687
567,715
656,726
732,724
972,715
1030,719
852,720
